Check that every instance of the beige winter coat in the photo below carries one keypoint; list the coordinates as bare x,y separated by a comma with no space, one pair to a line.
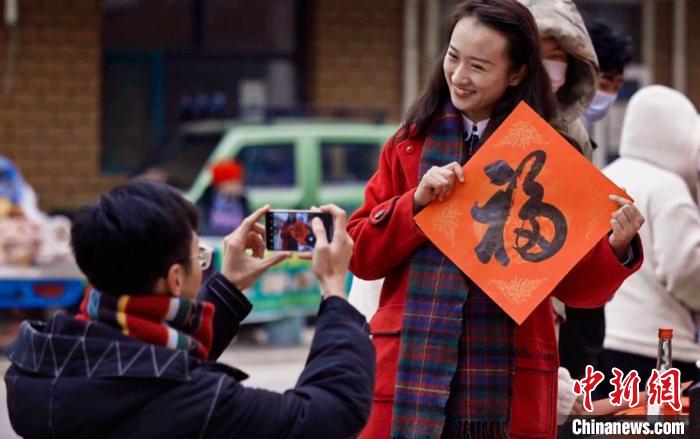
561,20
658,166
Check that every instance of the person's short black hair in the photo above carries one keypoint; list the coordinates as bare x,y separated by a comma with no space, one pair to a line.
132,235
614,51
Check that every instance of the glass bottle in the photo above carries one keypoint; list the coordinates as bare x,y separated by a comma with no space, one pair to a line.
664,362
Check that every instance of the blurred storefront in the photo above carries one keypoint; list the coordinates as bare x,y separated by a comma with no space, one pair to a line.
92,90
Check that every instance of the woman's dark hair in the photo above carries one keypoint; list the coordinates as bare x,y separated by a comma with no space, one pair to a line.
517,24
132,235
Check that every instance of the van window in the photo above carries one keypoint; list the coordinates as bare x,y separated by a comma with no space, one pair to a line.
268,165
348,162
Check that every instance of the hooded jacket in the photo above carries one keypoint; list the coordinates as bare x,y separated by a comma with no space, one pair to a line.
561,20
659,151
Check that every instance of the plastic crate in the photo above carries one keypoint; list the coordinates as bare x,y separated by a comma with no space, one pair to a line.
40,293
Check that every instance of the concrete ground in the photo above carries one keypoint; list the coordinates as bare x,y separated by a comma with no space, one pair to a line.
272,368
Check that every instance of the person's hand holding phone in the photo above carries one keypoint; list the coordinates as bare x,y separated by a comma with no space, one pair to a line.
330,260
238,266
290,230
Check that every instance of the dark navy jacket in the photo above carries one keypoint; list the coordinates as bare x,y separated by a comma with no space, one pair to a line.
71,378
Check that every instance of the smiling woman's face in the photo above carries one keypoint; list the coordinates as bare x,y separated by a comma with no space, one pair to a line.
477,68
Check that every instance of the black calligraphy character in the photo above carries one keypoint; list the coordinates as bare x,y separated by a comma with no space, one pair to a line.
495,213
496,210
534,208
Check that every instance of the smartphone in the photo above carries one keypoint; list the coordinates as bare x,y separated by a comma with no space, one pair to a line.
290,230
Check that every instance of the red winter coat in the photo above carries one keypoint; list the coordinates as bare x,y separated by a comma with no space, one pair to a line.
385,238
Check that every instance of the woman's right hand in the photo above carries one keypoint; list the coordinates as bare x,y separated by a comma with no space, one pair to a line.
437,183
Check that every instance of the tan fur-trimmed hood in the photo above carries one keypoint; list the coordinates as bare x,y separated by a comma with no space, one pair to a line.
561,20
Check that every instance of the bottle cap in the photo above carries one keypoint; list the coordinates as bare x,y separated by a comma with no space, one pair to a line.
665,333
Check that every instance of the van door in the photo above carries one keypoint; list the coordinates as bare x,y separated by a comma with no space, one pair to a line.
270,174
346,166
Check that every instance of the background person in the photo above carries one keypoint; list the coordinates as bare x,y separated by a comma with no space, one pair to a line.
658,165
571,62
583,330
224,204
614,53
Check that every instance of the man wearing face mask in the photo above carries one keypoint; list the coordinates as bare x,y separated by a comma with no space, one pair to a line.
614,53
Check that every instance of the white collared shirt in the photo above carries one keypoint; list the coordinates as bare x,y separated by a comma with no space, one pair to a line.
474,128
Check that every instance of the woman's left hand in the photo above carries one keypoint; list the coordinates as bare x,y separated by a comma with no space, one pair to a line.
626,222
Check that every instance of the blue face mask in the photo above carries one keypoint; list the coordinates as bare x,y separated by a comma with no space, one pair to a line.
600,106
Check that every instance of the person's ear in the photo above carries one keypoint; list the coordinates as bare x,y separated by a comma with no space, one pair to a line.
517,76
175,279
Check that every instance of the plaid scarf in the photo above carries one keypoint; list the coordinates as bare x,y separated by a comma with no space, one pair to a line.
173,322
456,357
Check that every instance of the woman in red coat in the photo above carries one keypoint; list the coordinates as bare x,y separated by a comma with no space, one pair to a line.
450,363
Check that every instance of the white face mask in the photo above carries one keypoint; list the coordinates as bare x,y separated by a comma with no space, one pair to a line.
600,106
557,72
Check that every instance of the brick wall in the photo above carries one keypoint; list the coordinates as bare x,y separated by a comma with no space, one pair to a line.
355,54
663,48
693,57
663,44
50,120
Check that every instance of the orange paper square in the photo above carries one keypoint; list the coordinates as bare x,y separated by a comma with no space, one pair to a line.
527,270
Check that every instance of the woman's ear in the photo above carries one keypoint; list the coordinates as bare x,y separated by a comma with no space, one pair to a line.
517,76
175,279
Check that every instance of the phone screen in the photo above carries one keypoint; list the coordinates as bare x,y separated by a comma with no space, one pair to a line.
290,230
